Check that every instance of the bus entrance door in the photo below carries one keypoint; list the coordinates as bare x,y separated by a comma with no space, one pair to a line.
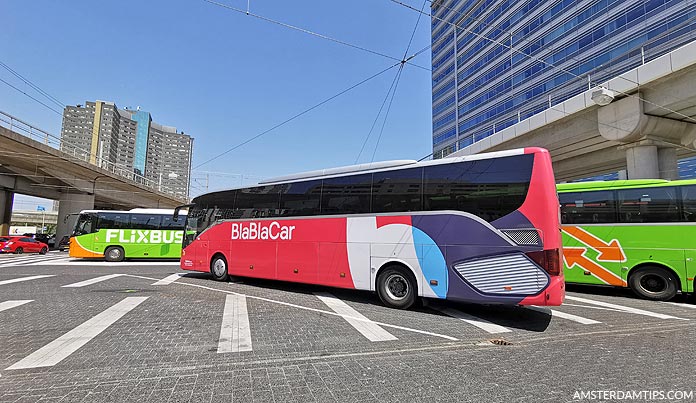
690,270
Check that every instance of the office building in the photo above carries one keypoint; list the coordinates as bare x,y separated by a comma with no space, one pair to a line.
103,134
508,60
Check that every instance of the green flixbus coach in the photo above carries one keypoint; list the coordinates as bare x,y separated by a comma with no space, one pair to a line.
639,234
119,235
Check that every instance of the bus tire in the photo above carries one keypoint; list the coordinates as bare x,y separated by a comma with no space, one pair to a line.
114,254
655,283
396,287
218,268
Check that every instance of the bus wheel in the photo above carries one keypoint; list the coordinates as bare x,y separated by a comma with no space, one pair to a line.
114,254
218,268
653,283
396,287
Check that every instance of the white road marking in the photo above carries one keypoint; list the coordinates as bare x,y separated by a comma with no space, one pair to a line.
681,305
28,260
60,348
473,320
17,280
622,308
92,281
12,304
235,332
368,328
306,308
54,262
593,307
169,279
568,316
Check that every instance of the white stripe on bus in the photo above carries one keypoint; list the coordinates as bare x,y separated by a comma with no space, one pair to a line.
60,348
169,279
622,308
92,281
366,327
13,304
235,332
474,320
568,316
17,280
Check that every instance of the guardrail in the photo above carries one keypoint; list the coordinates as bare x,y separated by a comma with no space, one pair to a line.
30,131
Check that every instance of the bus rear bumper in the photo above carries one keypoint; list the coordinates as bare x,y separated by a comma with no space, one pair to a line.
553,295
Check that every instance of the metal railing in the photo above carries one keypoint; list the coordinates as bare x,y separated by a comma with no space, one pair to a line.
78,153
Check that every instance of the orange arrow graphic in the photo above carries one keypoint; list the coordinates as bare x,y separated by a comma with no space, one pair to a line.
608,252
576,256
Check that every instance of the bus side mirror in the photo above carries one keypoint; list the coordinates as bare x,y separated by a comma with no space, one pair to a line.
178,208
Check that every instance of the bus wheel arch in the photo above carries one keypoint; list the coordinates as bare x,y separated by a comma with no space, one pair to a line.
219,268
114,253
653,281
396,285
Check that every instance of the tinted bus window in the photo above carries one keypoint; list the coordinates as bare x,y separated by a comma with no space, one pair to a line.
489,189
85,224
300,198
145,221
168,222
689,200
256,202
399,190
113,220
648,205
588,207
346,195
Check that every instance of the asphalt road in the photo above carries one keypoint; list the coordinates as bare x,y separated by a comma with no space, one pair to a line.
147,331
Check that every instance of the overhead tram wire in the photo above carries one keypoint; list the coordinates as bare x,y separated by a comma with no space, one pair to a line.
32,85
19,90
249,140
514,49
306,31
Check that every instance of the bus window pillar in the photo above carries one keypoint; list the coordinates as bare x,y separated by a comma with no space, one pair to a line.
6,201
71,204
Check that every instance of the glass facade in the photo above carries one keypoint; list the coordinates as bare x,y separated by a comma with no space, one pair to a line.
561,47
141,134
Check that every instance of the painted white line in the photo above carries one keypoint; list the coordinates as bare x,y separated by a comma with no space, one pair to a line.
12,304
169,279
52,262
60,348
623,308
306,308
681,305
568,316
593,307
473,320
235,332
369,329
92,281
17,280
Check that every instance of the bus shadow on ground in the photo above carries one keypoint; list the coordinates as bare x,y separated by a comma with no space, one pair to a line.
620,292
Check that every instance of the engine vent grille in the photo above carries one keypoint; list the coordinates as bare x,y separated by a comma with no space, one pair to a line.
509,274
523,236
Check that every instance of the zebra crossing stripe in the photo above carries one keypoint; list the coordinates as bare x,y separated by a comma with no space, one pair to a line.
169,279
681,305
60,348
13,304
235,332
92,281
568,316
17,280
622,308
368,328
474,320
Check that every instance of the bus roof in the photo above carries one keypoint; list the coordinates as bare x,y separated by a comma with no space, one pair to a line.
137,210
621,184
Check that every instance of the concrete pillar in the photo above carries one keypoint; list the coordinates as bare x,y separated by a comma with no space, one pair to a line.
642,162
71,204
6,201
667,163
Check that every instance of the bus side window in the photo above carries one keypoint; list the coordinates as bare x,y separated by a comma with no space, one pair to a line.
689,202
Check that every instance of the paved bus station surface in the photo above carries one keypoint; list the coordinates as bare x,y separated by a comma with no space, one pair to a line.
80,331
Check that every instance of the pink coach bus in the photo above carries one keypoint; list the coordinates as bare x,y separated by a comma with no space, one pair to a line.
482,228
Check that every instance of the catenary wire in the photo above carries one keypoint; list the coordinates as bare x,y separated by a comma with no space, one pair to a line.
32,85
306,31
17,89
386,114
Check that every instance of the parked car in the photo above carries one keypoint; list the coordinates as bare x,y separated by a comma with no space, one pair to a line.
64,243
39,237
21,244
51,241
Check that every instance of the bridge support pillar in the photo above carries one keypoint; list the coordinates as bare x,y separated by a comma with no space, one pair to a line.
6,201
647,160
71,204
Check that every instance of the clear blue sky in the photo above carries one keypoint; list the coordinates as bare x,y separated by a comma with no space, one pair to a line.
223,77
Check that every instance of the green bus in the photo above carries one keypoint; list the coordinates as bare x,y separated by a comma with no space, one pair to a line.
118,235
639,234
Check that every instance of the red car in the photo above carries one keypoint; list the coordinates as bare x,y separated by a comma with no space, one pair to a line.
21,244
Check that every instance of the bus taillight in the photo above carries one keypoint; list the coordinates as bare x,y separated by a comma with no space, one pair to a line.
549,260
